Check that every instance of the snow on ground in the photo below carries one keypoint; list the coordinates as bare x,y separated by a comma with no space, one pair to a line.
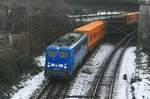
29,87
83,81
80,87
127,67
126,90
31,84
40,60
142,88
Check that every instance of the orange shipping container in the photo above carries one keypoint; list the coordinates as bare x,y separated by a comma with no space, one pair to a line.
95,31
132,18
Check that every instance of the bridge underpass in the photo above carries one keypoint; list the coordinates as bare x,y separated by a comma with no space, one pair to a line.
95,7
104,6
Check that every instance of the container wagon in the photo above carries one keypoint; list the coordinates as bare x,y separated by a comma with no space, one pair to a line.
94,30
132,18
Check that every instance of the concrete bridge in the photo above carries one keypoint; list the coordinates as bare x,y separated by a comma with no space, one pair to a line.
105,5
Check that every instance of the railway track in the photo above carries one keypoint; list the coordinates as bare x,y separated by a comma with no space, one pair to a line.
104,80
56,89
118,66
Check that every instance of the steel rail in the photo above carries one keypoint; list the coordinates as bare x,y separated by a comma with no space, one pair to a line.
100,77
46,88
113,80
40,94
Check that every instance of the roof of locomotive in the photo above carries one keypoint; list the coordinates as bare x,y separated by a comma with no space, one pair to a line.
68,39
90,26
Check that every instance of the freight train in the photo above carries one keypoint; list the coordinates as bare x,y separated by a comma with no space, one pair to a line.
67,52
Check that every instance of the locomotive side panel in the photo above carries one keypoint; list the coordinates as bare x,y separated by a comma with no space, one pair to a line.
79,52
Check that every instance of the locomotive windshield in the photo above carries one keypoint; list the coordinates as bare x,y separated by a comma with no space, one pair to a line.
63,54
51,53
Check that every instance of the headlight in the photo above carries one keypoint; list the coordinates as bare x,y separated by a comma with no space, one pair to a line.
65,67
48,65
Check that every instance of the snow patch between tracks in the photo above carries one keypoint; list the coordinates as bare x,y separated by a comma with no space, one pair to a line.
83,81
127,67
124,89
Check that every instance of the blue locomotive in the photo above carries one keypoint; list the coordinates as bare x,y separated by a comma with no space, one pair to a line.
65,54
68,51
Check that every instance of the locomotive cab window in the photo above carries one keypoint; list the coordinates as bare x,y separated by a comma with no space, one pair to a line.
63,54
52,53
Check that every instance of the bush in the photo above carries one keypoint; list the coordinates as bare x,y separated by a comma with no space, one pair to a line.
13,64
46,29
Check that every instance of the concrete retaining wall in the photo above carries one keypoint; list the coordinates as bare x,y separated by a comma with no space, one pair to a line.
144,25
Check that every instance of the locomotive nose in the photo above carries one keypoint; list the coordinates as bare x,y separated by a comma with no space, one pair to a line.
57,59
